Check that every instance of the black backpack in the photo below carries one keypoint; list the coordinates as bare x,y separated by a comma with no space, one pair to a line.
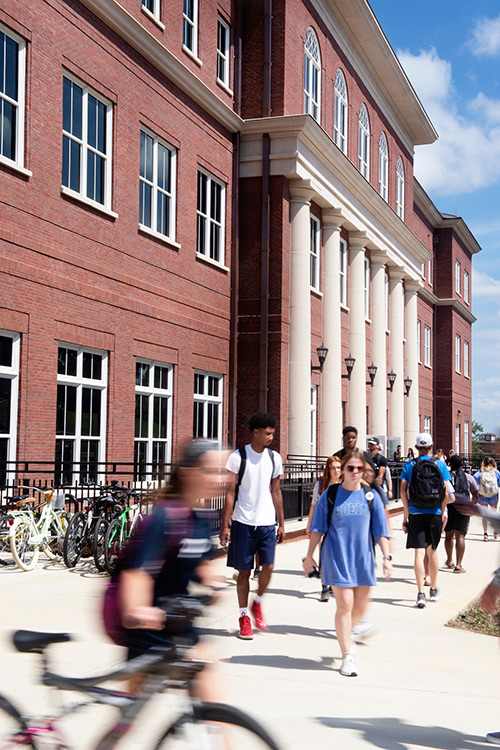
243,454
427,488
460,484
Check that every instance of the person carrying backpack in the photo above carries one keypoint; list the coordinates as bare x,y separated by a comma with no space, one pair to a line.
350,518
424,496
458,523
488,479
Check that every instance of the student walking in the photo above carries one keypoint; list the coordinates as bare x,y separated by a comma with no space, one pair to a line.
424,496
488,479
351,517
458,523
254,500
331,475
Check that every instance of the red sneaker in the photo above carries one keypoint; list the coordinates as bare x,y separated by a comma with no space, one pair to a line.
256,611
246,632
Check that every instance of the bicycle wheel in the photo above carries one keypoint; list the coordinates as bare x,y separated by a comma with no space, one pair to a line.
55,535
24,552
4,533
215,726
13,728
99,544
74,540
112,544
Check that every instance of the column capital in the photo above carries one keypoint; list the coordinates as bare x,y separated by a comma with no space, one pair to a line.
378,258
301,191
396,272
358,240
412,286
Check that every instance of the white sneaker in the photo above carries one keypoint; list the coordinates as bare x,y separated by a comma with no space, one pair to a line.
363,630
434,595
493,737
348,667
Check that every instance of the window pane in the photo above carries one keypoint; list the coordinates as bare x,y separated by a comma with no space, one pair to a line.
142,374
140,457
72,108
86,410
5,351
4,452
95,428
199,384
89,456
162,223
146,157
202,192
214,241
161,377
163,168
198,421
8,127
159,460
64,462
213,386
213,421
5,405
60,409
160,406
200,244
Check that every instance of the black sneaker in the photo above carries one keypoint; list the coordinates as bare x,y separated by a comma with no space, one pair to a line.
256,574
325,594
421,600
434,595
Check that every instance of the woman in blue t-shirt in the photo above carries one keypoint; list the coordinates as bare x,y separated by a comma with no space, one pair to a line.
347,554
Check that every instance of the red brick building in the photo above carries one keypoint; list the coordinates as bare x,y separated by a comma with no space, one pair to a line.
197,195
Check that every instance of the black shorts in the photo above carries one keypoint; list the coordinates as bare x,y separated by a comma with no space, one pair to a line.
457,521
424,529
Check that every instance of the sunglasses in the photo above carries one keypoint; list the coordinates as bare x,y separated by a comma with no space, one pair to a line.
354,468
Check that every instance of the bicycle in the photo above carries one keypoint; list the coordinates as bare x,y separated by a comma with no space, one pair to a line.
202,726
29,532
118,532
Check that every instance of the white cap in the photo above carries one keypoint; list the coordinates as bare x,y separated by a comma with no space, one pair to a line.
373,441
424,440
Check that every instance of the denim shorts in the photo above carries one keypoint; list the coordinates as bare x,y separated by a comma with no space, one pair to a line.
246,541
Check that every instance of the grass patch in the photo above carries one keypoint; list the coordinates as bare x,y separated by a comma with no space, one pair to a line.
476,620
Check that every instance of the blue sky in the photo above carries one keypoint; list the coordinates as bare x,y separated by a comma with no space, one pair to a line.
450,50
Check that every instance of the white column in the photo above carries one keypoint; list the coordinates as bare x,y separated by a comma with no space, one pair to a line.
411,361
378,411
331,382
299,360
357,337
396,360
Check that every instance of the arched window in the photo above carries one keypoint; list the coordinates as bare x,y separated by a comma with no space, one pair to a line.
400,189
383,166
340,125
364,143
312,75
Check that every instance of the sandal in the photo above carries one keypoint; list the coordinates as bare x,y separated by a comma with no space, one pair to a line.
459,569
485,538
449,564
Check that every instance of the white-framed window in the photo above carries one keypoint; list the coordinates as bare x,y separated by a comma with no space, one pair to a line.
457,353
364,142
457,438
314,420
341,110
157,185
343,272
429,272
367,288
466,287
400,189
207,413
80,414
427,346
466,359
386,300
12,96
210,213
383,166
466,438
223,48
153,6
87,139
458,273
314,252
9,390
312,75
153,420
427,424
419,347
190,26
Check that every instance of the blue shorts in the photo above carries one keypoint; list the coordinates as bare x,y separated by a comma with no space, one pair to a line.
246,541
482,500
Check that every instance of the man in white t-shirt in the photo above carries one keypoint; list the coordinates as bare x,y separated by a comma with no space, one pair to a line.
254,500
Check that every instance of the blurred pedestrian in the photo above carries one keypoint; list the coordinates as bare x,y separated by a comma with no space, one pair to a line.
488,479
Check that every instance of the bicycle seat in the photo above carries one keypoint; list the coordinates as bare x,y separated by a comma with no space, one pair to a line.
30,641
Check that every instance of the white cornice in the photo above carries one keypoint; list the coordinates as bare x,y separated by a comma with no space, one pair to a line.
301,150
439,221
134,33
460,308
353,24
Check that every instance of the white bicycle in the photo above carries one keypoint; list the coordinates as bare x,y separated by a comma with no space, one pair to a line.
29,533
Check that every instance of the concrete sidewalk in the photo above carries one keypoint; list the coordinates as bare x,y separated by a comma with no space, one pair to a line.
420,684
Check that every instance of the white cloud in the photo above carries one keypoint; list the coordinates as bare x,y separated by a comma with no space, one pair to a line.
485,287
485,41
466,156
486,107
